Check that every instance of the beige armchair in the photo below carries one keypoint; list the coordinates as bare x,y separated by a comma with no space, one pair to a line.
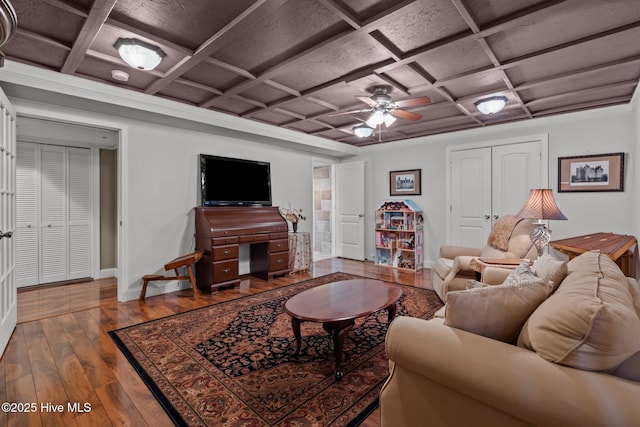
509,238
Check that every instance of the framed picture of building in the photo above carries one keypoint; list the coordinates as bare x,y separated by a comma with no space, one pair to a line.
600,172
405,183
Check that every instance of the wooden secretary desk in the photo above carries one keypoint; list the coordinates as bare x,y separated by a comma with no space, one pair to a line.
221,230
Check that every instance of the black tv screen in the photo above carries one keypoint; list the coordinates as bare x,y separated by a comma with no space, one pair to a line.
234,182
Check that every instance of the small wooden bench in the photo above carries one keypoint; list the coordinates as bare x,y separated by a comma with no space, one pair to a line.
185,260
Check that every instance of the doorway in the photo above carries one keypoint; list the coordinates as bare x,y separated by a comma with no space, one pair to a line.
85,153
323,204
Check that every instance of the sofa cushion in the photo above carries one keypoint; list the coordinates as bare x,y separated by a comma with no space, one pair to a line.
629,369
442,267
550,269
496,312
592,320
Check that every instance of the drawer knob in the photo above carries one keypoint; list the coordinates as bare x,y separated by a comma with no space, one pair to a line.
226,270
227,252
280,261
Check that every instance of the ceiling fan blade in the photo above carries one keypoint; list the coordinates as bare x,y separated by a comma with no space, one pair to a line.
367,100
407,115
415,102
342,113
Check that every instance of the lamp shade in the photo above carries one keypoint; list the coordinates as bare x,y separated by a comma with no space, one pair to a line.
139,54
541,205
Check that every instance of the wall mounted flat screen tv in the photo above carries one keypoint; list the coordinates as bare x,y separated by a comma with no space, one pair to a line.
234,182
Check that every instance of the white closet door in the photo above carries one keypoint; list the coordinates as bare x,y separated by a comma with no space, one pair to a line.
488,182
470,186
516,170
27,205
53,218
79,212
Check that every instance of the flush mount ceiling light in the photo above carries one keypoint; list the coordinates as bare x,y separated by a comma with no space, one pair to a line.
362,130
491,105
139,54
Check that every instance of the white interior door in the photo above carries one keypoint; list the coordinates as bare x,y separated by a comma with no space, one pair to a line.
27,218
53,218
488,182
350,210
470,199
8,294
516,169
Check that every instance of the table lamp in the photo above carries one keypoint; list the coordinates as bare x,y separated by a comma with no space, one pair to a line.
540,207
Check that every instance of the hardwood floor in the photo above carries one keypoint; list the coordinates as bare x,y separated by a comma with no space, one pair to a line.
61,353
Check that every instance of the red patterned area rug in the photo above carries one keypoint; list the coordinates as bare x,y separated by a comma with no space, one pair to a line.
231,363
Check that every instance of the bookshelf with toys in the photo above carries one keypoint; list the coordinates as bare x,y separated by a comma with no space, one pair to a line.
399,238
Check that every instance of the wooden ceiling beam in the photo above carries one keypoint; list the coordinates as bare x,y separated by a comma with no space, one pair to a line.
233,29
99,13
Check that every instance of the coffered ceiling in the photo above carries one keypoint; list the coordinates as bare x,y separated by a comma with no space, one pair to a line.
296,63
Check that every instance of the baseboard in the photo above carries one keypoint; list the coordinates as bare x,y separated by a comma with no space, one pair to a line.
108,272
158,288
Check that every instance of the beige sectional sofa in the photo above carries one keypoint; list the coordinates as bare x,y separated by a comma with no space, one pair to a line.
574,359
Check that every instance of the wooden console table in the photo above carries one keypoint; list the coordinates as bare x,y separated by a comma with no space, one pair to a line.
616,246
220,231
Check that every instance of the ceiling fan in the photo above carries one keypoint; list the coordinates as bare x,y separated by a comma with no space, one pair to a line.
384,110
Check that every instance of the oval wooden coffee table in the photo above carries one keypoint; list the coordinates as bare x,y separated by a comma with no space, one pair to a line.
336,305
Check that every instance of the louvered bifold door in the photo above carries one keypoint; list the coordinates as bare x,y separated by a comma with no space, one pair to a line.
53,232
27,207
79,212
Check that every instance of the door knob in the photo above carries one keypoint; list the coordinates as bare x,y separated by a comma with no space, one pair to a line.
496,216
360,215
487,217
8,234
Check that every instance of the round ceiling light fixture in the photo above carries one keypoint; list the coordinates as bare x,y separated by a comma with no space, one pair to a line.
138,54
492,105
362,130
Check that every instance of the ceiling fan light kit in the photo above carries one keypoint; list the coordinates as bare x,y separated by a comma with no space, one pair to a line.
139,54
376,119
384,110
492,105
362,130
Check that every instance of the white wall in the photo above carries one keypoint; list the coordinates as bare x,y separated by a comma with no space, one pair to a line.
159,186
162,177
604,130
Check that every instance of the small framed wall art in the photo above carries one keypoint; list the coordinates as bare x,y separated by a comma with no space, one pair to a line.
598,172
405,183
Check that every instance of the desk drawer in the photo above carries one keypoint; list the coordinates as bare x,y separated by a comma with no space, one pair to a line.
216,241
279,235
254,238
225,252
224,271
278,261
278,245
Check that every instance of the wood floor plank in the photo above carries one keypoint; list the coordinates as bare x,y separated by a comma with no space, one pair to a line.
119,406
61,349
22,389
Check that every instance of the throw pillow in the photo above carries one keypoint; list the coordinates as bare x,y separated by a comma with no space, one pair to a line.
473,284
550,269
589,322
496,312
522,273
